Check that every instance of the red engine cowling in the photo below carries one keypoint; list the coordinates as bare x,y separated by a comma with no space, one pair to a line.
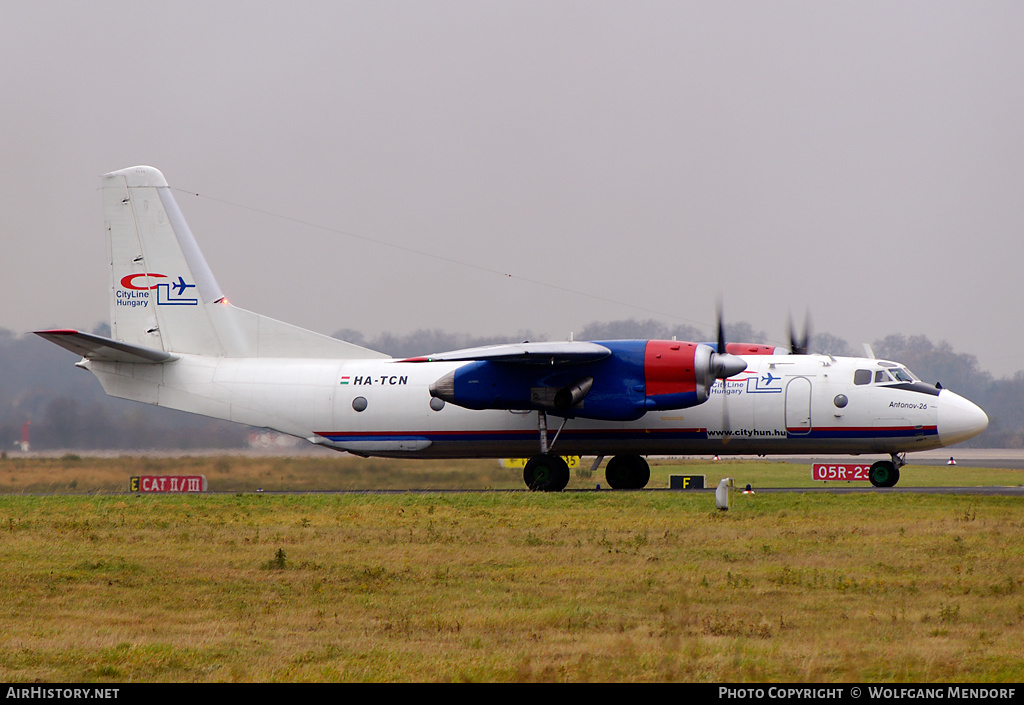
669,367
677,375
753,349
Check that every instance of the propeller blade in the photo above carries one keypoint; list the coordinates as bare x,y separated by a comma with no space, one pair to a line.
721,330
723,366
799,346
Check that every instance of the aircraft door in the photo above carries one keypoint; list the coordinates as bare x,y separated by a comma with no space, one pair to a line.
798,406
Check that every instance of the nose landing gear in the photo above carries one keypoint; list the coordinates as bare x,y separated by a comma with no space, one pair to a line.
886,473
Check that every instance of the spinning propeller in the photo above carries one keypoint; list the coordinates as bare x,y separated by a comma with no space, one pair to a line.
725,365
799,346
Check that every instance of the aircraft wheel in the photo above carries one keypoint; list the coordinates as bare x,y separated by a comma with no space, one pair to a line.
884,474
627,472
546,473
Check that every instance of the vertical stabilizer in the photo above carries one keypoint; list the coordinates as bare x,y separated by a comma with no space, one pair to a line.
163,294
156,300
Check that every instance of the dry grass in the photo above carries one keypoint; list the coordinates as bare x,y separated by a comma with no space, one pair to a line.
325,471
73,473
608,586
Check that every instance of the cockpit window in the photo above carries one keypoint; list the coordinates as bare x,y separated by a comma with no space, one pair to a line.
882,376
862,377
903,375
899,372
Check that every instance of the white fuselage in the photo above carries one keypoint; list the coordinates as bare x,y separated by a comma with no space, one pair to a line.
781,404
176,341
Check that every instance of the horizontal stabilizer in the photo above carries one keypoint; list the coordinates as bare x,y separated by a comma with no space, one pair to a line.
96,347
536,353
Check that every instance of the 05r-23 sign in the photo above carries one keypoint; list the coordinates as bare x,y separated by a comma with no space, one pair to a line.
840,472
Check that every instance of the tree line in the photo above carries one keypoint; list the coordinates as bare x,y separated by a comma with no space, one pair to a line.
67,409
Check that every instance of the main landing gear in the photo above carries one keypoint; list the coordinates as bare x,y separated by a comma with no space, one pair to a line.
627,472
886,473
546,473
549,473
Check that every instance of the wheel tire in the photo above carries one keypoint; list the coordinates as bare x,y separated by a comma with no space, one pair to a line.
627,472
895,477
884,474
546,473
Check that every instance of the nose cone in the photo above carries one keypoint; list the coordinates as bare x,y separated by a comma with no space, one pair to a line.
959,419
724,365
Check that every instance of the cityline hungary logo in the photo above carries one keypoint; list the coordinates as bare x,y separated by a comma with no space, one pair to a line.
135,294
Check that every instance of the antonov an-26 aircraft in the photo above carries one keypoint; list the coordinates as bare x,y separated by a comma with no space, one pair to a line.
177,342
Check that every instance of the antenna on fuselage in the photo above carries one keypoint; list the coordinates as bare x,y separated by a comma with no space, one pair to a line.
869,352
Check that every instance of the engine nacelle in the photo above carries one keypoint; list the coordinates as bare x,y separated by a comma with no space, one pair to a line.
677,374
639,376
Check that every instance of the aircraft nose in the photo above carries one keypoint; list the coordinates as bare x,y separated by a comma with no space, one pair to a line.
959,419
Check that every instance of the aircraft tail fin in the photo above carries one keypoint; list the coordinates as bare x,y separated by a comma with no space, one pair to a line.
163,294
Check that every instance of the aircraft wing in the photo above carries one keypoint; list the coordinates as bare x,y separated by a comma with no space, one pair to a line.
526,353
96,347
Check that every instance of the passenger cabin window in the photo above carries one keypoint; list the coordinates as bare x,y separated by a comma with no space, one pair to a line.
862,377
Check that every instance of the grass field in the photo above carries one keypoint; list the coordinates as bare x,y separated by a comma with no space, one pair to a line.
102,585
332,471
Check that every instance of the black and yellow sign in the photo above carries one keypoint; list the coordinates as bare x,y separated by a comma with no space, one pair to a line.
686,482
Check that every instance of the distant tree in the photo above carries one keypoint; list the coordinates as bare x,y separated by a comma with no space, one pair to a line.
68,408
829,344
621,330
935,363
59,428
350,336
1004,404
743,332
639,330
424,341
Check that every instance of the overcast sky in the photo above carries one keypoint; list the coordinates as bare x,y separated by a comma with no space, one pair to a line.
493,167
